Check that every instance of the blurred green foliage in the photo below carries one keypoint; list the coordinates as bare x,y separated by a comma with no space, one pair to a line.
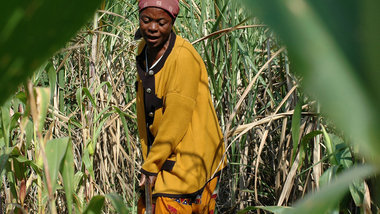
31,31
333,45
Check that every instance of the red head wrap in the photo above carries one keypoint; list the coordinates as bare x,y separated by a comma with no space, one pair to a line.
171,6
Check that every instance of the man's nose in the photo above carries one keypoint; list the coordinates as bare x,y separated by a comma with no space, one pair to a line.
153,26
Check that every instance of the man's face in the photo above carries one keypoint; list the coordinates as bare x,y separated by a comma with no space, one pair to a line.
155,26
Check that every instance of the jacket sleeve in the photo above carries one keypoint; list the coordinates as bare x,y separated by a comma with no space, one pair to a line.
180,101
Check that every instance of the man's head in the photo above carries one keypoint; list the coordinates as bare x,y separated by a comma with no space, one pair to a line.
170,6
156,21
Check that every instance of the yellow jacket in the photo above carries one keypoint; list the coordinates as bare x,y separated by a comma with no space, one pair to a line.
187,143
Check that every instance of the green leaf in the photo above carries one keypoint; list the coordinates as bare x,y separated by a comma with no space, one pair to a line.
273,209
102,114
118,203
21,96
304,141
75,122
55,151
357,191
67,171
31,31
87,162
3,161
99,128
39,73
342,152
14,121
52,80
14,151
23,159
29,133
296,122
328,175
6,122
77,180
61,83
371,45
4,157
20,170
329,146
78,96
330,195
125,126
345,158
218,20
88,94
95,206
43,100
12,183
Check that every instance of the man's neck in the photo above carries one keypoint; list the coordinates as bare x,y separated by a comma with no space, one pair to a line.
155,54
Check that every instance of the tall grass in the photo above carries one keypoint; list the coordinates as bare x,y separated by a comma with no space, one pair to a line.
255,99
279,146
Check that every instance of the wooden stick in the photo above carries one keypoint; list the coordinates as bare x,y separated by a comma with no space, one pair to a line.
148,197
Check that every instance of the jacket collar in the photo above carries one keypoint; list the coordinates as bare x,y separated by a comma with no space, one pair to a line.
141,58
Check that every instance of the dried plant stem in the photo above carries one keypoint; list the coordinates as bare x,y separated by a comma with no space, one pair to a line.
263,140
226,30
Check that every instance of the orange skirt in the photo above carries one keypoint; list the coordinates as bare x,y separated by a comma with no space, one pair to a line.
203,204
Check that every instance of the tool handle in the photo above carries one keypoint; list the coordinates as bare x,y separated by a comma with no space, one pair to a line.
148,197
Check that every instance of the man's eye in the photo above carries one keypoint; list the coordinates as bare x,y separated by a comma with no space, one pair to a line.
145,20
161,23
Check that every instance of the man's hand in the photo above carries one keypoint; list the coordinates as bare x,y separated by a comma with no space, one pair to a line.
143,178
148,183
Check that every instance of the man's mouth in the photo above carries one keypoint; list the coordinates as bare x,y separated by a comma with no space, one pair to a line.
152,39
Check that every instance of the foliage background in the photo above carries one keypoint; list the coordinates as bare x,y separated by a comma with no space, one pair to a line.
280,146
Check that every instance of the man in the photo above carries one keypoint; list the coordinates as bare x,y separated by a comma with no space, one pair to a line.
180,136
